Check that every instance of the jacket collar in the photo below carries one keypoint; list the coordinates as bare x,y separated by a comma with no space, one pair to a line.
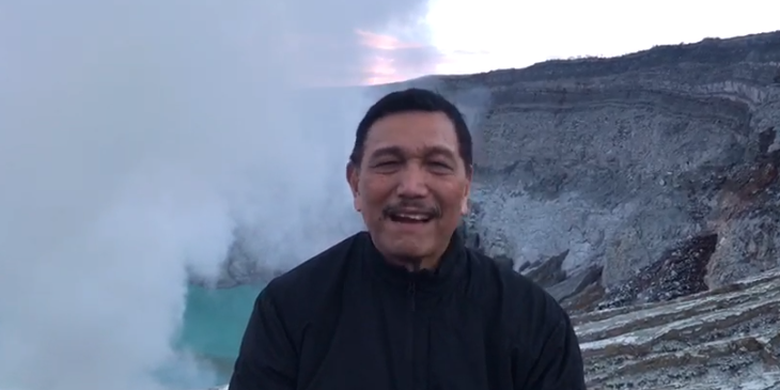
451,267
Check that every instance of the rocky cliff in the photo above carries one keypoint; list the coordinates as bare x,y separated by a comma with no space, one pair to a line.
725,338
653,174
647,177
638,190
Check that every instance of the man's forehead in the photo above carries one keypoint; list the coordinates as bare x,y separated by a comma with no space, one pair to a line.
418,132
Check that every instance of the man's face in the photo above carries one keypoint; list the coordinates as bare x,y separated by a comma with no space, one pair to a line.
412,185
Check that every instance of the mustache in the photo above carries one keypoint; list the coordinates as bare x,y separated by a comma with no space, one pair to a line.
406,205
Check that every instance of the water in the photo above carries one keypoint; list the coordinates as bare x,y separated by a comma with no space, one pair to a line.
214,322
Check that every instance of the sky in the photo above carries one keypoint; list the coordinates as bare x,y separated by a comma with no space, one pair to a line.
470,36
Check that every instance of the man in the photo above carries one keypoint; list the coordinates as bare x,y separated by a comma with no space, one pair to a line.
405,305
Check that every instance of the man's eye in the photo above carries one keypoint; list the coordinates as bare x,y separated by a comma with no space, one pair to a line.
385,164
440,165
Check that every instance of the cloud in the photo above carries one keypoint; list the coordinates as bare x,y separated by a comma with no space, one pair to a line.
135,137
396,60
330,50
366,58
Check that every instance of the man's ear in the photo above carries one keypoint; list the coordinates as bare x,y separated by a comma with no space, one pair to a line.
353,179
464,205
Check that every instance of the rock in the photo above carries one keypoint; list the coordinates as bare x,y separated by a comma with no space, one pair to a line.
575,284
679,272
619,160
548,272
773,346
585,301
719,339
748,211
240,268
748,245
616,161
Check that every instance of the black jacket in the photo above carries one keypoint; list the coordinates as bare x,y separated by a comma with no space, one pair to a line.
348,320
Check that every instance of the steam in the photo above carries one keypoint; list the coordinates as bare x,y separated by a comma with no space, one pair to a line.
135,138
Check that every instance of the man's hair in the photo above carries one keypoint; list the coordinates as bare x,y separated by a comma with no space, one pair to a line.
409,100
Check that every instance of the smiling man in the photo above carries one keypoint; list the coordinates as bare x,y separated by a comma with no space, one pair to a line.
406,305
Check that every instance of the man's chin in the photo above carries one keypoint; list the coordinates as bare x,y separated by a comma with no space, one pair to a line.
408,249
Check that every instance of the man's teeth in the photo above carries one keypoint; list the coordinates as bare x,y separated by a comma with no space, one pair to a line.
415,217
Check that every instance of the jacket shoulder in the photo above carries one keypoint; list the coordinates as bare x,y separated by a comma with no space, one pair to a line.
302,291
538,330
502,275
317,268
521,298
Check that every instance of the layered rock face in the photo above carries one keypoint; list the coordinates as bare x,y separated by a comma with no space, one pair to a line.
725,338
620,166
641,191
653,175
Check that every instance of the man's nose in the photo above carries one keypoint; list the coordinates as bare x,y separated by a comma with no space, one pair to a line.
412,182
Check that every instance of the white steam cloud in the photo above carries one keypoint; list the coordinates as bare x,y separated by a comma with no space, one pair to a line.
135,136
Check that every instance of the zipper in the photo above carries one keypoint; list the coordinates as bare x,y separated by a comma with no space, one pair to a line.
412,289
412,294
413,285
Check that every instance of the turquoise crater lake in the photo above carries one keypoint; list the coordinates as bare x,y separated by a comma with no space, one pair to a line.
214,322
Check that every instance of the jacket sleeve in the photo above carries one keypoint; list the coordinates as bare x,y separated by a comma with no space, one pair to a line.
558,362
267,359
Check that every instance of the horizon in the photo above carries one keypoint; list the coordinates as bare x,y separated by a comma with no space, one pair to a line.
435,42
520,68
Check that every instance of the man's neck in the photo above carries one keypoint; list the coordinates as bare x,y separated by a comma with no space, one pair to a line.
430,263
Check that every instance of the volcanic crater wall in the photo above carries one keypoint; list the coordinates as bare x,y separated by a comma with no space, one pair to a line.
619,162
592,173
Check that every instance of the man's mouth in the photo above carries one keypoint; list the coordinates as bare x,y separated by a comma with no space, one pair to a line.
410,217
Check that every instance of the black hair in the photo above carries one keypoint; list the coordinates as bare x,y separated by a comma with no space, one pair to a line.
413,99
